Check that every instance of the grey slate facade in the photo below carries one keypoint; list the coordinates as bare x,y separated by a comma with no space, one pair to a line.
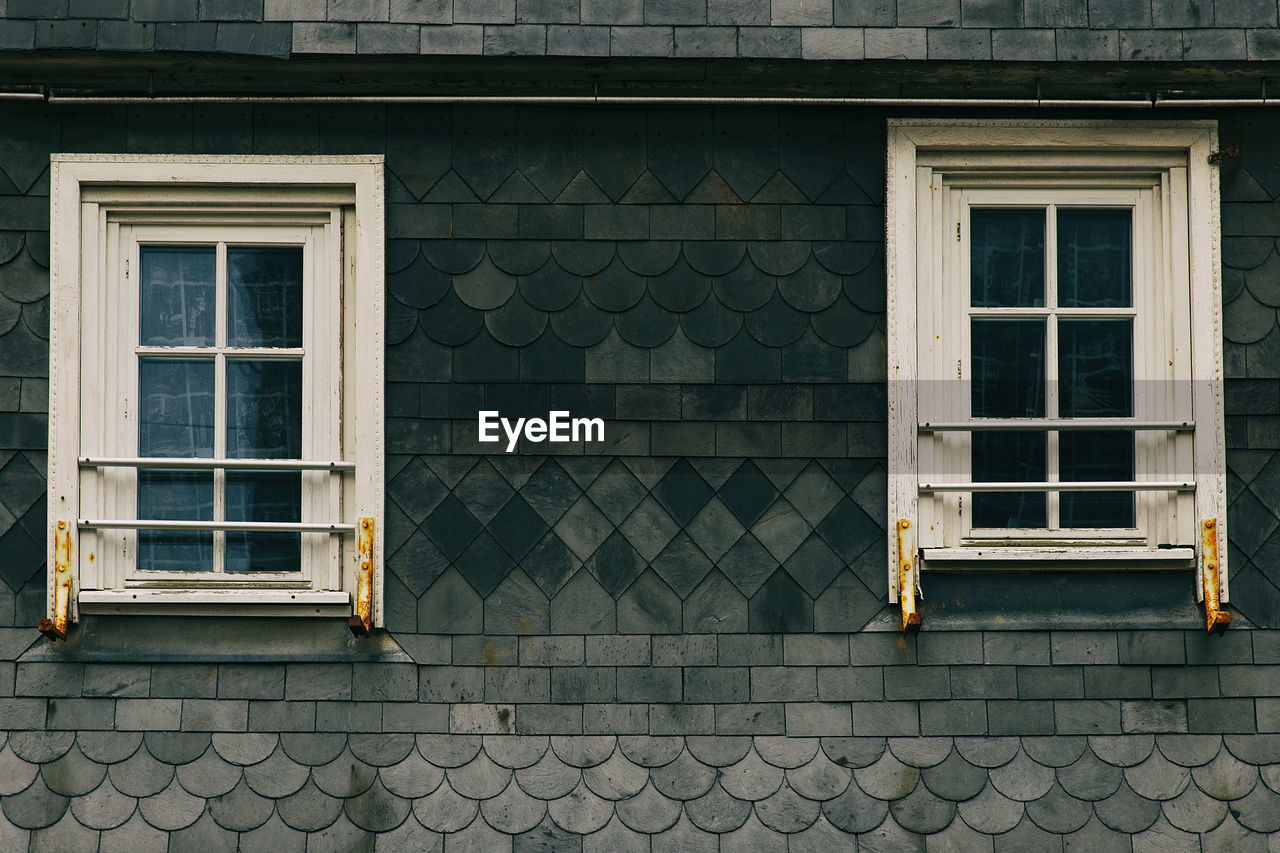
679,640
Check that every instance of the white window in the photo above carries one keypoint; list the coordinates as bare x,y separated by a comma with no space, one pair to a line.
1055,344
216,393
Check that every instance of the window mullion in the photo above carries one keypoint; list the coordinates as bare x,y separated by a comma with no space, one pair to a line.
1051,358
220,407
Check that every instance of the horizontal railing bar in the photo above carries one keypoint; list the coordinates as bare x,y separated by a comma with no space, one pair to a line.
1037,424
241,526
1073,486
210,464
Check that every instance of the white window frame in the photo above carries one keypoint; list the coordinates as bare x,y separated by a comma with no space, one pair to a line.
1162,170
102,208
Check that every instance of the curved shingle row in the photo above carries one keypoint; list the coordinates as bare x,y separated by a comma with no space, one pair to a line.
1091,790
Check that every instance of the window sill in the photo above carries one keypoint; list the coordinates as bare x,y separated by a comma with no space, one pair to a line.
216,602
1058,557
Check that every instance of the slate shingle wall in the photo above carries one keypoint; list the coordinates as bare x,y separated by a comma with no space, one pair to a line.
656,640
1137,30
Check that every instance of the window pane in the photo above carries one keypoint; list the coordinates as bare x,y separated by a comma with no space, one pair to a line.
264,297
264,409
1008,368
1095,368
264,496
176,417
1095,254
177,296
175,495
1009,457
1006,258
1096,456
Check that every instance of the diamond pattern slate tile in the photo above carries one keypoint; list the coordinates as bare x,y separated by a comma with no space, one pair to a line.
748,565
452,527
715,606
814,565
550,564
649,606
484,564
682,492
616,492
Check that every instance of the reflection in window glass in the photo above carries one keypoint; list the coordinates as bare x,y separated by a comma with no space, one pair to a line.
274,496
177,296
264,408
1094,258
264,297
1006,258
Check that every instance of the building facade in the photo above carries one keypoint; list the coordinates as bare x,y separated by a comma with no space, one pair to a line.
688,635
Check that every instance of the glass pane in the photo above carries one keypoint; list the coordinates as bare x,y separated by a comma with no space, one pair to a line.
1095,258
264,297
264,496
1006,258
1010,457
1008,368
1095,368
177,296
1096,456
175,495
176,411
264,408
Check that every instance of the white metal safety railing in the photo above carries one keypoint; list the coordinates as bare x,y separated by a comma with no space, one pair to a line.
1059,425
205,464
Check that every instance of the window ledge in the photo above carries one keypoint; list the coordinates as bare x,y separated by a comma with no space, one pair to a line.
1061,557
217,602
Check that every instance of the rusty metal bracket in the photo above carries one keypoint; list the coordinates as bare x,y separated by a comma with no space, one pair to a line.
362,621
56,628
1224,154
1216,619
908,579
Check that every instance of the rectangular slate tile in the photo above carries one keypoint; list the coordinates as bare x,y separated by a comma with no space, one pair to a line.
507,685
683,439
1198,681
955,717
1085,45
682,719
819,719
813,440
215,715
477,718
751,719
254,38
83,714
1266,646
887,648
251,681
1268,711
49,679
1151,647
452,39
716,684
411,717
917,682
652,402
1216,45
684,650
783,684
614,719
1050,682
899,43
612,11
706,42
485,650
1016,647
615,221
815,649
421,11
1214,716
821,43
143,715
949,647
957,44
886,719
484,11
801,13
547,11
1249,680
584,684
749,649
850,683
1055,13
1018,717
1083,647
865,13
313,681
928,13
1087,716
1023,45
182,680
649,684
1231,647
392,682
358,10
450,683
166,10
273,716
618,650
125,35
1117,682
641,41
681,221
748,222
1153,716
738,13
515,40
1244,13
552,651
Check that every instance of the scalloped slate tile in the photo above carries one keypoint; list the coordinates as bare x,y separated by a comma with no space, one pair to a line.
479,778
649,257
515,323
275,837
711,324
34,807
648,812
922,812
650,751
15,773
1194,811
450,321
106,747
549,778
991,812
581,811
172,808
550,288
1254,749
1090,778
1122,750
277,776
1259,810
103,808
777,324
1056,751
887,778
646,324
615,778
313,749
1125,811
684,836
581,324
208,776
1226,777
377,809
752,835
954,778
1164,838
240,809
888,837
445,810
745,288
1059,812
341,837
854,751
685,778
958,837
41,747
616,287
811,288
513,811
419,285
65,836
140,775
1189,750
1157,778
345,776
